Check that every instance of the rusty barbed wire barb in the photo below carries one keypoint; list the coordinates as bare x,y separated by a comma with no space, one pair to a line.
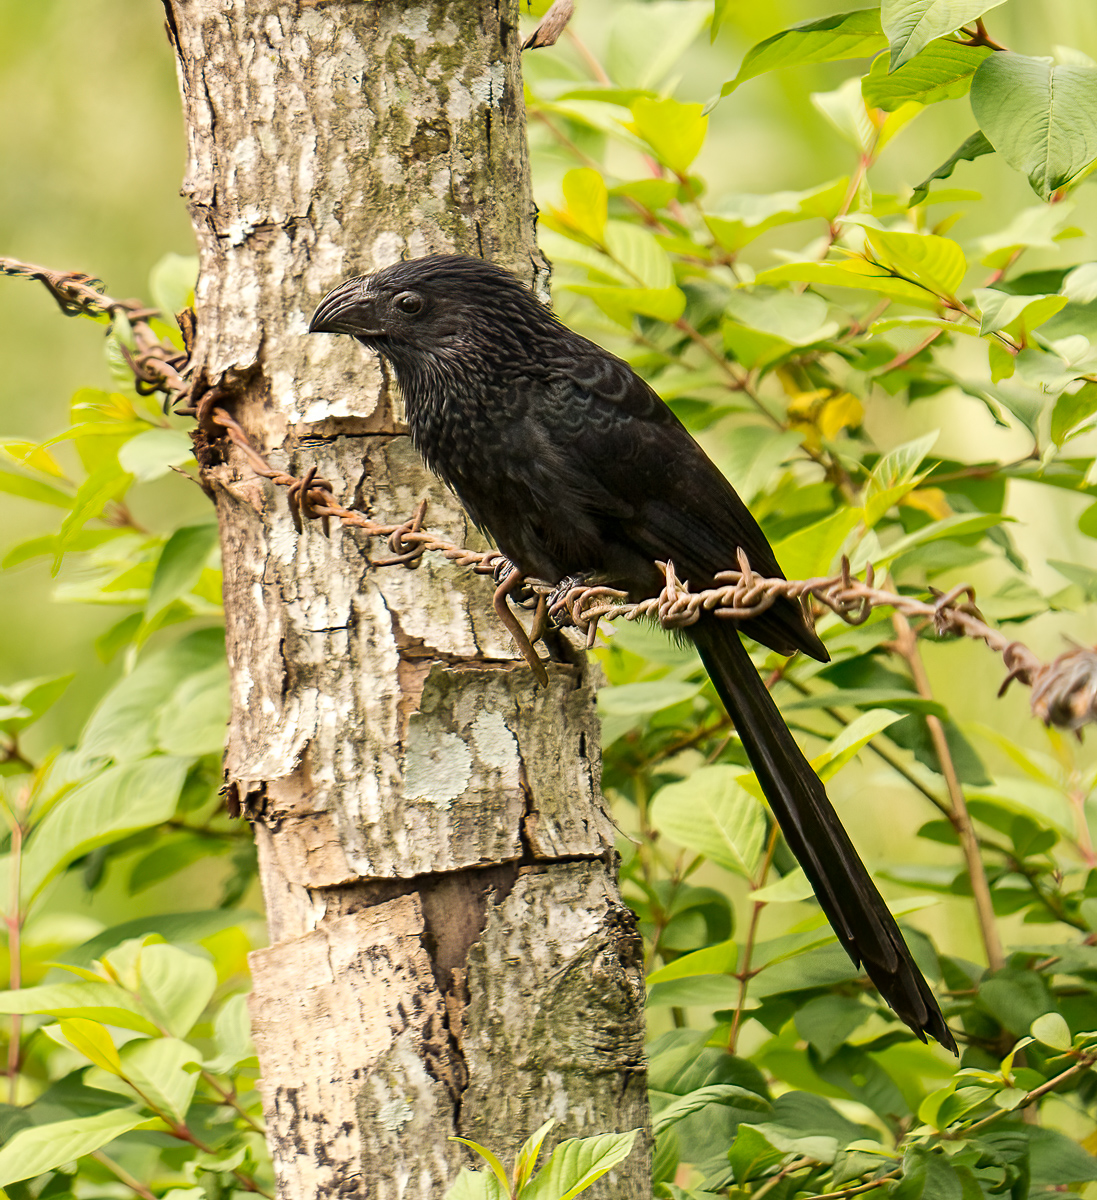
156,364
1064,691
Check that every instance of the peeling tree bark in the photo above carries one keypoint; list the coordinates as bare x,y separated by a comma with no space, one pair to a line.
449,951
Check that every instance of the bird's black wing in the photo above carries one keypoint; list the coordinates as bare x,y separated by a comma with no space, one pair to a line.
621,464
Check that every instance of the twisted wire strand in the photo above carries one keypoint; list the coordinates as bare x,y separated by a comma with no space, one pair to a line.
1064,691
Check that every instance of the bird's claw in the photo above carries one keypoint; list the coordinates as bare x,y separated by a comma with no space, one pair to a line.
558,611
522,595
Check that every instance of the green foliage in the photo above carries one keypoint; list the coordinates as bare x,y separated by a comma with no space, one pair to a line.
128,1050
807,328
570,1169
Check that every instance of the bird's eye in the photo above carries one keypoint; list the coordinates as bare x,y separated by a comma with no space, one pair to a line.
409,303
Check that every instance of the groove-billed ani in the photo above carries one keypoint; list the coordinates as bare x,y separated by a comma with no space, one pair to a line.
576,467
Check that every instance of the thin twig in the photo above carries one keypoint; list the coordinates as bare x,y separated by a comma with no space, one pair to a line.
871,1186
120,1173
907,645
745,974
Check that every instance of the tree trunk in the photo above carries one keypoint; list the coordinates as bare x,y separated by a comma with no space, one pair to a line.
449,952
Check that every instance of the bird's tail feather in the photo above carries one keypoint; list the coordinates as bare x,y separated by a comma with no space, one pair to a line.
846,893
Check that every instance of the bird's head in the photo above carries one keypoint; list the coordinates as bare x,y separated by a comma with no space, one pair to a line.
441,306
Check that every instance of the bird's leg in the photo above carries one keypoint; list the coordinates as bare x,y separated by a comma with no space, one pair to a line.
512,582
523,595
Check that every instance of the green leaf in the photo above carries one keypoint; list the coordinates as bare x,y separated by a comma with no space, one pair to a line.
232,1036
1040,117
811,551
942,71
180,927
94,1001
93,1041
102,486
469,1185
1057,1160
195,719
646,40
937,263
154,452
169,857
713,1093
751,1155
180,566
840,35
46,547
827,1021
172,282
797,318
712,960
527,1156
856,273
587,200
117,802
789,889
33,489
1016,998
912,24
488,1157
894,475
904,701
675,131
845,109
41,1148
972,148
712,813
739,219
124,725
154,1068
637,251
639,699
576,1163
1052,1030
664,304
958,525
851,741
33,698
1016,315
175,986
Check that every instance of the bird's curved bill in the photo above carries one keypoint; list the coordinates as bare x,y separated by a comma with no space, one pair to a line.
348,308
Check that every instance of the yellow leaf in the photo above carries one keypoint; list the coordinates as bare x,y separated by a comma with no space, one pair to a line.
840,412
93,1041
587,200
928,500
805,405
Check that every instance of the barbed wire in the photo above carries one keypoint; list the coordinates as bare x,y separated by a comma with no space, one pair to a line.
156,364
1064,691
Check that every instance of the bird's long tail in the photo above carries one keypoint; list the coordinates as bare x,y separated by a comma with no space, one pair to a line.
815,835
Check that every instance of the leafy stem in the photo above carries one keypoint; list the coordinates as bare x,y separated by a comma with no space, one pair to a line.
906,644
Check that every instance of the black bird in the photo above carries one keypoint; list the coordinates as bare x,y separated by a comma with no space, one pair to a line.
575,467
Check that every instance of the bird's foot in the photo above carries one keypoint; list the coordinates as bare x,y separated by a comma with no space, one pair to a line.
559,613
513,582
521,593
